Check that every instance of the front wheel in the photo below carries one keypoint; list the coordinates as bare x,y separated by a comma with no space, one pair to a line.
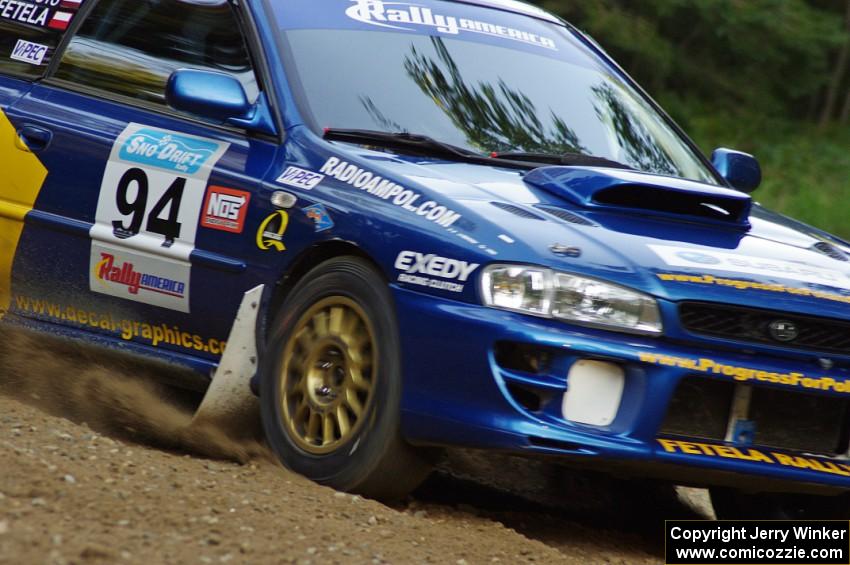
730,504
331,384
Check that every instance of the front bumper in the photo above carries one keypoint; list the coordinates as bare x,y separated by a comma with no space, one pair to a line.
457,393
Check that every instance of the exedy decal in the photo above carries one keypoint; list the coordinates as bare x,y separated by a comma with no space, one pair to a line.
403,15
387,190
420,268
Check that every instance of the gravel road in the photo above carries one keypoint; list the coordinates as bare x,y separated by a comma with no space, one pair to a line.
97,466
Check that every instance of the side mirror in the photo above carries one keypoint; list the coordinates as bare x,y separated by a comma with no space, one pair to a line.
217,97
742,170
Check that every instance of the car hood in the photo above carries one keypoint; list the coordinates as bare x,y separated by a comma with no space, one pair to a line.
584,221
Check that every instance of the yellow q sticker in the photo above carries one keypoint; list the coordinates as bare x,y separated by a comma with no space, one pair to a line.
270,234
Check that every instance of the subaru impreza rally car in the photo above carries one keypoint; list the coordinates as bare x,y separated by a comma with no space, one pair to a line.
419,224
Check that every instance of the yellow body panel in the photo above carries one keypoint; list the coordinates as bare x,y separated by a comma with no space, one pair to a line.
20,182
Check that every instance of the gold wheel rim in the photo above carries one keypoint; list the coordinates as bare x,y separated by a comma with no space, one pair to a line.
327,378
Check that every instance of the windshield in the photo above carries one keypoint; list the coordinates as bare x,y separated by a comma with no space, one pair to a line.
477,78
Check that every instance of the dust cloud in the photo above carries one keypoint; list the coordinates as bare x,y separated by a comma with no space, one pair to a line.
116,395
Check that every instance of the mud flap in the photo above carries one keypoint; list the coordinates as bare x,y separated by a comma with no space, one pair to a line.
229,403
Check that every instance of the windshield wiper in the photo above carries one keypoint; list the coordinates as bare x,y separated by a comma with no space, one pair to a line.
422,145
425,146
569,159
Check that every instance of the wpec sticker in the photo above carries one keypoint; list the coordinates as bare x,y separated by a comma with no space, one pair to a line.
29,52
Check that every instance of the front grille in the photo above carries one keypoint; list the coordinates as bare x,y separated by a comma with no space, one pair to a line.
754,325
782,419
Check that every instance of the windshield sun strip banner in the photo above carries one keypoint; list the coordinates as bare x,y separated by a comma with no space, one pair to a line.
430,17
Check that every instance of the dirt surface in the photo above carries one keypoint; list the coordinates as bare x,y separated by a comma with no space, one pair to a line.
97,465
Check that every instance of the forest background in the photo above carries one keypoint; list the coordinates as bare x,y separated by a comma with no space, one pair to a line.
769,77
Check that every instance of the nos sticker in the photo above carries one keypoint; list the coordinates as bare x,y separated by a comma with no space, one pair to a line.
149,205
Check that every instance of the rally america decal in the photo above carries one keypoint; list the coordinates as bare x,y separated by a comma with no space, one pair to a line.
139,276
387,190
404,15
48,14
151,200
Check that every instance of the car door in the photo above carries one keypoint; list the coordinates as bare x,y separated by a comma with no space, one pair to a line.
139,230
29,34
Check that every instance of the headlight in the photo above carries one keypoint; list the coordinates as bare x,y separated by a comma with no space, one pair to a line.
582,300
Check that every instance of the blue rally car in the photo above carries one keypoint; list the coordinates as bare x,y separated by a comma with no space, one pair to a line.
410,225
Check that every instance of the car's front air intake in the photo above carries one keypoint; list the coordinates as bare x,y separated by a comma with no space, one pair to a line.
654,195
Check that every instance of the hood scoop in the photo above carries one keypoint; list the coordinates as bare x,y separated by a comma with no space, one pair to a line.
631,191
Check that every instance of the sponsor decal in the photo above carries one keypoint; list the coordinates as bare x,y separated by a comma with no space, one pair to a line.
150,204
411,16
712,450
127,329
319,214
751,285
271,231
29,52
734,262
384,189
50,14
140,277
168,150
225,209
746,374
432,271
300,178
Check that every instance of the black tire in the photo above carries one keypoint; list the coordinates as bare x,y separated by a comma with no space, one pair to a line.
730,504
372,458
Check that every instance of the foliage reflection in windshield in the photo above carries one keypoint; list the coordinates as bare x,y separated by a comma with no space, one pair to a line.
483,97
494,117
